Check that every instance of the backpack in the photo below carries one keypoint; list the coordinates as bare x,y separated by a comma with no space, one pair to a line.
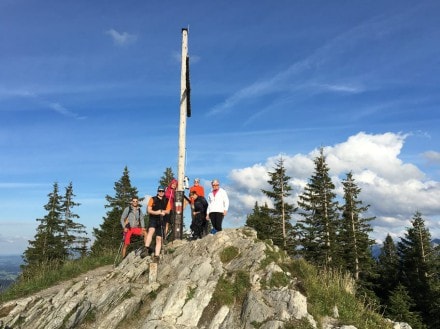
139,215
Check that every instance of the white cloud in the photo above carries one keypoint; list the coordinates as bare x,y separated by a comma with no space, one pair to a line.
394,190
64,111
343,88
432,157
15,185
121,39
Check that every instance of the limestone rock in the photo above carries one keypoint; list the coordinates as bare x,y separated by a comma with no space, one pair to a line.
184,295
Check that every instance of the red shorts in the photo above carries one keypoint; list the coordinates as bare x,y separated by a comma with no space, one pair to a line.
135,231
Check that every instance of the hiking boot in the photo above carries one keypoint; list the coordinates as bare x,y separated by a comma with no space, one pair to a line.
145,251
155,259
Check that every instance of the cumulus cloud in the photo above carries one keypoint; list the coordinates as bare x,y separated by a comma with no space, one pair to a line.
395,190
121,38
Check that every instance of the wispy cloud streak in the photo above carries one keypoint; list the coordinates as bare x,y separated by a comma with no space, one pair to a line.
121,38
323,59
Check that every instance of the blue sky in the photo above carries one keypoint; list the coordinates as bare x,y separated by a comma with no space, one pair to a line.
89,87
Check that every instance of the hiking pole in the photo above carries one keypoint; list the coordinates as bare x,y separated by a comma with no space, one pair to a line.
119,250
163,234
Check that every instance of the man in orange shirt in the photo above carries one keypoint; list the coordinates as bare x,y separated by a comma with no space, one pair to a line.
158,207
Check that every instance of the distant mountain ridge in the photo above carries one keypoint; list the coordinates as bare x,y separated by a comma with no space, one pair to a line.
376,249
9,269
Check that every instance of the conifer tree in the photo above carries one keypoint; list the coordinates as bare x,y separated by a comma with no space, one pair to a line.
49,246
433,311
319,226
400,308
415,250
419,267
109,235
281,213
75,235
354,232
167,177
261,220
387,269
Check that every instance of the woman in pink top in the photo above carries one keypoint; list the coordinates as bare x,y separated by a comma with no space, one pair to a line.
170,194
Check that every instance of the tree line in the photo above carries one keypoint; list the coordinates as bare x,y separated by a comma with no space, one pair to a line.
60,237
404,280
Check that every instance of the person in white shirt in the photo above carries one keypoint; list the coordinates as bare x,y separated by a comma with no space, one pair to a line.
218,204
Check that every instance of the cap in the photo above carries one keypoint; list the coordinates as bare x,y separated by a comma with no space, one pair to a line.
161,188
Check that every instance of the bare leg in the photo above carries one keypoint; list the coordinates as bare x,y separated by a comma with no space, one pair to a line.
124,250
158,245
145,234
149,237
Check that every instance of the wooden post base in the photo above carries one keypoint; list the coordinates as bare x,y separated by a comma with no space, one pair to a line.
152,274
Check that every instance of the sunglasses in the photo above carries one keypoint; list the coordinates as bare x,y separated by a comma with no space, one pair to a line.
161,191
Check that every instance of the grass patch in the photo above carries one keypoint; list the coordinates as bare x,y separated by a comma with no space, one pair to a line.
295,324
169,250
279,279
232,288
228,254
191,293
326,289
127,295
46,275
224,292
90,316
242,284
153,294
272,256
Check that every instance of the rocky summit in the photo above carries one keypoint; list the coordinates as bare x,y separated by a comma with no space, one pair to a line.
219,281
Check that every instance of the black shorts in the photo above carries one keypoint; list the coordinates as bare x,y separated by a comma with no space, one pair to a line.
157,223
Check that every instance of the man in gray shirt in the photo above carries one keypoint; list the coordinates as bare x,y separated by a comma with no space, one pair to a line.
132,221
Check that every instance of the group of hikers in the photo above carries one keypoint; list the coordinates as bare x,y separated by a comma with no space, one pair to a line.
161,210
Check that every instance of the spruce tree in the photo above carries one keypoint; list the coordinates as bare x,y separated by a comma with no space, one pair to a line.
261,221
281,213
319,210
109,235
167,177
419,267
75,234
354,233
400,307
387,269
49,246
433,311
